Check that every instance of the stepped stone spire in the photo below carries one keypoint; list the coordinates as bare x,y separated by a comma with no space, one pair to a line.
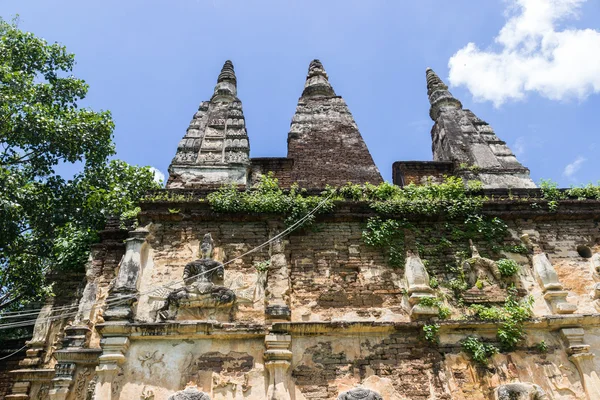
324,142
317,81
460,137
215,149
439,96
226,83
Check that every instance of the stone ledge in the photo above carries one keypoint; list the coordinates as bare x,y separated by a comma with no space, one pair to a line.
182,329
498,206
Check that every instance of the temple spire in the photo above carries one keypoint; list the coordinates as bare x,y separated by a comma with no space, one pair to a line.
324,142
215,149
439,96
460,137
226,88
317,81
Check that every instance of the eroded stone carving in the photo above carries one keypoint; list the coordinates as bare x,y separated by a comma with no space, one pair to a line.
360,393
189,393
417,280
202,291
520,391
151,359
548,280
485,279
147,394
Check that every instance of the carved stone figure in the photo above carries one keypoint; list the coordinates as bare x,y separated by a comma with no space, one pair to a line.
520,391
190,393
485,279
201,290
360,393
482,269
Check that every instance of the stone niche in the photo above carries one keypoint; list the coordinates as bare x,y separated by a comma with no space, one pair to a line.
203,296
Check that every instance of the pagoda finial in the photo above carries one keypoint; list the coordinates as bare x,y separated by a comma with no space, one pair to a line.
226,88
439,96
317,81
227,73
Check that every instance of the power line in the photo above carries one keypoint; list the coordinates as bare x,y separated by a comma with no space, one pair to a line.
13,353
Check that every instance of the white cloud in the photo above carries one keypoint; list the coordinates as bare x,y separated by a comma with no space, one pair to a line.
159,177
534,56
573,167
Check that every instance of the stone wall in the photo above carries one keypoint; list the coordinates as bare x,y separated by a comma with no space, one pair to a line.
280,167
319,312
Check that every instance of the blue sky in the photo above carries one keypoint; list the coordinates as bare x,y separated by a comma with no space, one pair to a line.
152,62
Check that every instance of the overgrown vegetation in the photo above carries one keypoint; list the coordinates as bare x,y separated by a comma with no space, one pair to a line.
458,204
511,317
431,333
479,351
267,197
444,311
262,266
507,267
542,347
554,195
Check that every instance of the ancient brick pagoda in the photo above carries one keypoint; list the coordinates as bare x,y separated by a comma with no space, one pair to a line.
181,308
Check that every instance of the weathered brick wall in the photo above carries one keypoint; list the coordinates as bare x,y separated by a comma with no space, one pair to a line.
327,147
281,168
414,370
332,269
334,275
417,172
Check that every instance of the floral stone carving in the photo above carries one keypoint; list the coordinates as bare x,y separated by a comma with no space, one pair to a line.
202,294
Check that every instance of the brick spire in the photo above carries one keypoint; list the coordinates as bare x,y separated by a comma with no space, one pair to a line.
324,142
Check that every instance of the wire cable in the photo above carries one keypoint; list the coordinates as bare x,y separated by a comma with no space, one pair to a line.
13,353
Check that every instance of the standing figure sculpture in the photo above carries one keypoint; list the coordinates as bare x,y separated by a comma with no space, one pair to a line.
202,288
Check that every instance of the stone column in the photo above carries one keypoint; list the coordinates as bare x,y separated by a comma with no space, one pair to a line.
278,358
126,282
548,280
62,381
113,355
277,294
581,356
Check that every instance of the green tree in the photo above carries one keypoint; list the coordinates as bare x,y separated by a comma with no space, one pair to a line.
46,221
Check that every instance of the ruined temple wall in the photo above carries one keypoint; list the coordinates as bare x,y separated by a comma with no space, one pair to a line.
335,276
171,245
396,363
227,369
